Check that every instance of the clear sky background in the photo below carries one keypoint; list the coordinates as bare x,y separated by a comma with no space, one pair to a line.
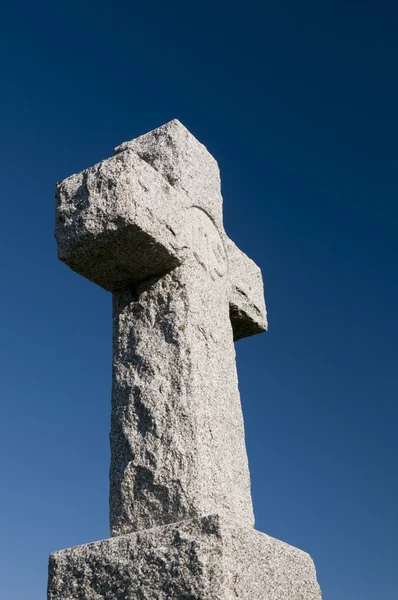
298,103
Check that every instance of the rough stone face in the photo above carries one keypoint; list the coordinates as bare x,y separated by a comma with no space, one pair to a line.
199,559
146,224
177,436
116,222
246,299
185,164
128,218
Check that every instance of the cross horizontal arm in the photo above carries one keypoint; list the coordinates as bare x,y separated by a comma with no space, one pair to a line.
247,306
116,222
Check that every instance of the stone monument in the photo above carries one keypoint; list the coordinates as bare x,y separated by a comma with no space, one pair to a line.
147,225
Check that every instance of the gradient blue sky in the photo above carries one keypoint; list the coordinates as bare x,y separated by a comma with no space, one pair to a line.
298,103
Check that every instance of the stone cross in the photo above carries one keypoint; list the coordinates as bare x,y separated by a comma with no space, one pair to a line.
147,225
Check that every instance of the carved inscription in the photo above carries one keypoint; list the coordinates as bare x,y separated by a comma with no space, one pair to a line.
206,243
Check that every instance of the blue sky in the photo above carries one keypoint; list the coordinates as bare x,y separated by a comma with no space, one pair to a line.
298,103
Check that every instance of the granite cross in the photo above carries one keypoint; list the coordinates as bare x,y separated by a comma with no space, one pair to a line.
147,225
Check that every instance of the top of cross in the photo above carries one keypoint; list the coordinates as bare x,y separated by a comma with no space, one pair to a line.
125,219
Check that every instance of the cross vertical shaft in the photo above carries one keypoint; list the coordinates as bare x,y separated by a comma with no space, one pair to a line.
177,440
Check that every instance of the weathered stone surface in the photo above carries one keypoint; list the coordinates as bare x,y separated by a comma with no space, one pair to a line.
147,225
128,218
184,163
177,429
199,559
246,300
116,222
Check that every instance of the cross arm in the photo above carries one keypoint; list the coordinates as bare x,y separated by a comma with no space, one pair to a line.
116,222
247,305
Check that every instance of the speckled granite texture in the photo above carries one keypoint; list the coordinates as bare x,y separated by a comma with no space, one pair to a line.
146,225
200,559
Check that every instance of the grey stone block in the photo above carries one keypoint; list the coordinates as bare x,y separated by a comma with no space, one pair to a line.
200,559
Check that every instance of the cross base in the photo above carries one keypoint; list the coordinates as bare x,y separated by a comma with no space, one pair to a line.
203,559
